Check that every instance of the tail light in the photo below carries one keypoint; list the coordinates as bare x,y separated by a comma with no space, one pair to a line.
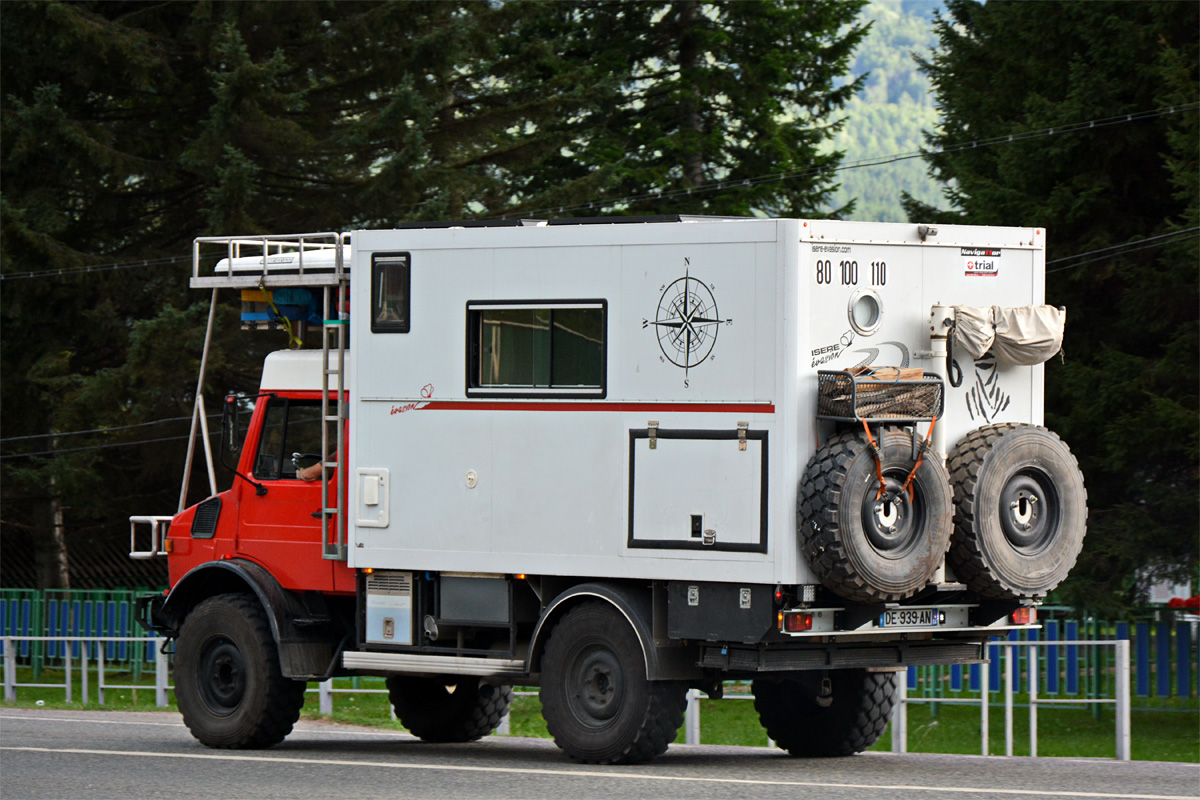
1024,616
797,623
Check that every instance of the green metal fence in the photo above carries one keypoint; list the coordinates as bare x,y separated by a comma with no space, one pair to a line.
77,613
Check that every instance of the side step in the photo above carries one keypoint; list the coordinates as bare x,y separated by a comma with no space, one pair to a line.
450,665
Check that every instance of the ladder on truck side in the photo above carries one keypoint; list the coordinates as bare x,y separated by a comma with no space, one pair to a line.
272,262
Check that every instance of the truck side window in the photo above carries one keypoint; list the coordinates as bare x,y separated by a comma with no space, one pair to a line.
537,349
291,426
390,302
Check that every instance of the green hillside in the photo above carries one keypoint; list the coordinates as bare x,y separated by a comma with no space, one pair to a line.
887,117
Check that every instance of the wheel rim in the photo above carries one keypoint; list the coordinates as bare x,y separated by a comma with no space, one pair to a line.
892,522
1030,511
597,686
222,676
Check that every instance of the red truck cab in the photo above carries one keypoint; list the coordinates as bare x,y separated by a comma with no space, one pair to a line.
271,516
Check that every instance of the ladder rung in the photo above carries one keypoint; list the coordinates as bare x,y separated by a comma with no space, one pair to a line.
334,418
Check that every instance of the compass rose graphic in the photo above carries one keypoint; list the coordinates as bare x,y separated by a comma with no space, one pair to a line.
687,323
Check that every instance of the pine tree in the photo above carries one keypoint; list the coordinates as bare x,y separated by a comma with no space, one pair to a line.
1126,397
688,94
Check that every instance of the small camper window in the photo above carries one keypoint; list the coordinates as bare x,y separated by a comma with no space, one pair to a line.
536,349
390,281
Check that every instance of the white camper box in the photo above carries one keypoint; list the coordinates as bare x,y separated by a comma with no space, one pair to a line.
684,461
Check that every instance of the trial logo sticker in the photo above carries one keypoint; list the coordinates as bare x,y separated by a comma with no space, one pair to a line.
981,260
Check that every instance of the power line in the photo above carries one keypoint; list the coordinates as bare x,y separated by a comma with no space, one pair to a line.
1140,241
1100,254
99,430
100,446
714,186
69,271
703,188
1131,247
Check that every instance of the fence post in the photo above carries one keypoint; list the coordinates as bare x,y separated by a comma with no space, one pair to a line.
691,717
984,689
1032,661
10,671
325,696
1009,652
900,714
67,669
160,672
1123,731
83,670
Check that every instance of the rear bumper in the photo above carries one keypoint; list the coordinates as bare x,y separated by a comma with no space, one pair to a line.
749,659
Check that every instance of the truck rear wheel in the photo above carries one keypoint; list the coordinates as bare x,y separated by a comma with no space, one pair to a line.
454,709
598,704
849,718
1020,510
865,547
227,679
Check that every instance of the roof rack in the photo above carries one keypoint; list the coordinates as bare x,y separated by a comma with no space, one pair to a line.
294,259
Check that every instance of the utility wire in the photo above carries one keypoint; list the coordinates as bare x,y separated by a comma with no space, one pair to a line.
69,271
100,446
1131,247
1170,235
868,162
1101,254
703,188
100,430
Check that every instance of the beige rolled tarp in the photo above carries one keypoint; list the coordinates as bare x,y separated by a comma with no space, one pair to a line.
1025,335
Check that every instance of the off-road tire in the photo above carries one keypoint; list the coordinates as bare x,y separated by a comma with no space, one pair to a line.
451,709
857,716
864,549
993,470
228,684
598,704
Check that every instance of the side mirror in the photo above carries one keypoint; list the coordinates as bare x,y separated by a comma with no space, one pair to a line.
230,443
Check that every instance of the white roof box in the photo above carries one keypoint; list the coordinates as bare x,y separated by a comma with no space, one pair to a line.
296,370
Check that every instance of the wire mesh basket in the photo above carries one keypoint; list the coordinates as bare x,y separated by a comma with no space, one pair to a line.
879,393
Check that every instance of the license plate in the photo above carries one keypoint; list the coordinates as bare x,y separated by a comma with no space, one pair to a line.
909,618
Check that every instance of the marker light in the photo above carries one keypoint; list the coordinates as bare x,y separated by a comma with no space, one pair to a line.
520,576
797,623
1024,616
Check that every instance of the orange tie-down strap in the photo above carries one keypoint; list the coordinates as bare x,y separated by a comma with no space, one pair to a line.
907,485
878,458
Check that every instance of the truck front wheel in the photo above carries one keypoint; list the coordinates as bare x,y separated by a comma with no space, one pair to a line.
457,709
227,679
814,717
598,703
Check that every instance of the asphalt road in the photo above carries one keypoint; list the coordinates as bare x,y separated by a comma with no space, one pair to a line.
129,755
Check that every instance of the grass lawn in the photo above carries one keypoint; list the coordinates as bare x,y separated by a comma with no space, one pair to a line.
1169,734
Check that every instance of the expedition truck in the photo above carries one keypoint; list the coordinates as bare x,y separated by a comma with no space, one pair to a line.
615,459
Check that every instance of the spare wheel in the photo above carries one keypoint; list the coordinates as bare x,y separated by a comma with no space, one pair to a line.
1020,510
865,546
